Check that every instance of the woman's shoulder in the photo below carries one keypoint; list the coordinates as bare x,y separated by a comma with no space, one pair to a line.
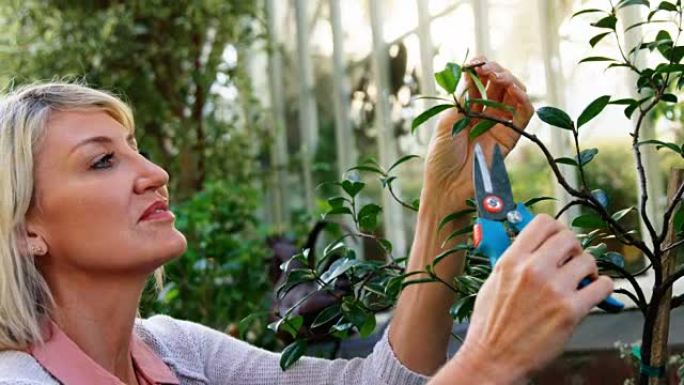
179,343
20,368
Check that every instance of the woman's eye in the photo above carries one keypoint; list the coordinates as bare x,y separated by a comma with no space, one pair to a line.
104,162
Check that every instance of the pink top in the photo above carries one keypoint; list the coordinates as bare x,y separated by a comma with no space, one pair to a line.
71,366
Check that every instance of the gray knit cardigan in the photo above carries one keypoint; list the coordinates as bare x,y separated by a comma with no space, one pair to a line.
200,355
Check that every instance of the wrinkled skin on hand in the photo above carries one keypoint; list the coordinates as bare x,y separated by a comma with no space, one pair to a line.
528,308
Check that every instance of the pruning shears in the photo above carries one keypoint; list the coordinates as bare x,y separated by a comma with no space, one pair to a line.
499,217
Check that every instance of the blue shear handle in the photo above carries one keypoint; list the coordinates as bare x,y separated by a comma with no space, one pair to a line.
494,239
610,304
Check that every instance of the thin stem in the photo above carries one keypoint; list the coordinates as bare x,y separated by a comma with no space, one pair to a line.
570,204
673,245
633,298
644,182
575,135
396,198
642,303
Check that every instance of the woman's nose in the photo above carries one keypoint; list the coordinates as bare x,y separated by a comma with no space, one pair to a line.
151,176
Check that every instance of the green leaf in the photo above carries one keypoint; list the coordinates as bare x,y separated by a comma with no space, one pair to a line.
669,68
386,245
338,268
449,77
626,101
478,83
594,108
556,117
534,201
401,160
660,144
336,202
245,323
460,125
367,216
621,214
586,156
493,104
352,187
427,114
664,43
601,197
594,40
667,6
463,308
440,98
368,326
373,169
595,58
590,221
678,219
464,230
444,254
608,22
456,71
592,10
453,216
329,314
566,160
615,258
480,128
292,353
627,3
338,211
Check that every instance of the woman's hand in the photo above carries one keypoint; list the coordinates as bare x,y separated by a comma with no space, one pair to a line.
421,325
528,308
448,177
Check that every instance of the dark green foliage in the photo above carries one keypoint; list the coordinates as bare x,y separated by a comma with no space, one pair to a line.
164,58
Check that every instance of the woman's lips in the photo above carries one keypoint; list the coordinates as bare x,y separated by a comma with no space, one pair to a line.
158,210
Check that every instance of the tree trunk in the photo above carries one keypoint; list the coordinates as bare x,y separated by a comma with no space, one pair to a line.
659,346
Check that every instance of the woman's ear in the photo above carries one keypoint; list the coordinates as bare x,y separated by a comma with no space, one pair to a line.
35,242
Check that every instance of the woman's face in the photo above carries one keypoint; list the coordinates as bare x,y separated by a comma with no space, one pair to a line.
100,206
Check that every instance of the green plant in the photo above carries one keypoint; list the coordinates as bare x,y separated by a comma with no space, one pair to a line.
659,85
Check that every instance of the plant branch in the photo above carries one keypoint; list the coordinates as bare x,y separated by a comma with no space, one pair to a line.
633,298
570,204
561,179
396,198
673,245
642,303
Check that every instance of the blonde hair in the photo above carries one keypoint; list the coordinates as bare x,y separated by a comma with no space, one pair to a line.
25,298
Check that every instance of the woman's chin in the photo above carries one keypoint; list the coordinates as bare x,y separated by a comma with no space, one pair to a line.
171,248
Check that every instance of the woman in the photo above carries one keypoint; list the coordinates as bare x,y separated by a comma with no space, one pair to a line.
84,222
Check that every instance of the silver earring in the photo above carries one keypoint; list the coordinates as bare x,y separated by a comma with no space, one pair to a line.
37,250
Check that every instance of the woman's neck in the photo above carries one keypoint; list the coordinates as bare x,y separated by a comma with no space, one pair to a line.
98,315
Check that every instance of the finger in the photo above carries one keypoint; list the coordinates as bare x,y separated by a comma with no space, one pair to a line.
539,230
578,268
557,249
498,83
494,67
523,108
595,292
